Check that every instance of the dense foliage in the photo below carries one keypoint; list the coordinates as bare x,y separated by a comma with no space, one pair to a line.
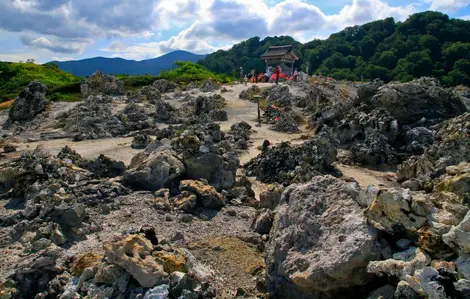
14,77
426,44
187,72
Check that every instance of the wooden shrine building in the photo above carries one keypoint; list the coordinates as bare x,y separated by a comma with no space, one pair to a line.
283,54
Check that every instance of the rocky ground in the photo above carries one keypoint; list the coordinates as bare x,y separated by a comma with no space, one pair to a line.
172,192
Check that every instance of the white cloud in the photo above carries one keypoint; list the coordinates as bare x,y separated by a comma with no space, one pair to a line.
225,22
363,11
69,26
448,5
465,17
59,46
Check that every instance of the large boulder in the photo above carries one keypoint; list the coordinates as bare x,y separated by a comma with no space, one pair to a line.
206,195
218,170
30,102
164,85
320,240
134,254
100,83
209,86
449,148
286,163
421,98
153,171
92,119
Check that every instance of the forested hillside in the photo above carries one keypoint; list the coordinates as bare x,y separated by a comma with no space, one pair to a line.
426,44
14,77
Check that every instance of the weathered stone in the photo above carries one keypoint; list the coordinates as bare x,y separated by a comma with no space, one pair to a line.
462,286
263,222
152,171
164,85
320,240
85,261
158,292
421,98
458,237
425,282
100,83
286,163
186,201
385,292
9,148
404,291
402,264
463,266
29,103
207,195
69,215
134,254
209,86
140,141
269,199
391,211
218,170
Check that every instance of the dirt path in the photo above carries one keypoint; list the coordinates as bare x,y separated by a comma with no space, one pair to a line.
116,148
366,177
241,110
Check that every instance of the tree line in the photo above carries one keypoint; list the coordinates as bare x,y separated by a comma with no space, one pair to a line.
426,44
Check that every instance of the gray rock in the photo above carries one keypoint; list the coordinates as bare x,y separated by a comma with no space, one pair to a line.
263,222
320,240
403,244
385,292
404,291
158,292
209,86
153,171
462,286
69,215
463,266
140,141
29,103
164,85
421,98
269,199
219,171
9,148
458,237
100,83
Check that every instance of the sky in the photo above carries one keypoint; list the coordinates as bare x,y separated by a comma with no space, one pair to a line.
47,30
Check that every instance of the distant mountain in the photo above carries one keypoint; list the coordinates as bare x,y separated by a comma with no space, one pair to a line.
86,67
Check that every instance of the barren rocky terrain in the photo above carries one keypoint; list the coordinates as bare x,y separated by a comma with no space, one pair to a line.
178,192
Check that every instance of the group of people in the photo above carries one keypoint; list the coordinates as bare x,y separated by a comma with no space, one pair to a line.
269,72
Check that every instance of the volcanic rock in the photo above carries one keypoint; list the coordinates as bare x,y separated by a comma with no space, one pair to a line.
29,103
164,85
100,83
320,240
153,171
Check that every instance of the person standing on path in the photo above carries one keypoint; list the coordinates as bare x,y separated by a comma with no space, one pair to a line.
241,75
256,76
278,71
296,76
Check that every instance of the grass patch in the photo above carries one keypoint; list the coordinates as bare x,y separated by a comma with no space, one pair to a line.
14,77
64,97
6,105
187,72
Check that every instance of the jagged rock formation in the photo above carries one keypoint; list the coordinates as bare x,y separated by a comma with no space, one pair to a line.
98,83
320,241
286,164
29,103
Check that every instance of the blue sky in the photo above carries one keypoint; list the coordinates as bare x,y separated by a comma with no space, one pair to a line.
47,30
